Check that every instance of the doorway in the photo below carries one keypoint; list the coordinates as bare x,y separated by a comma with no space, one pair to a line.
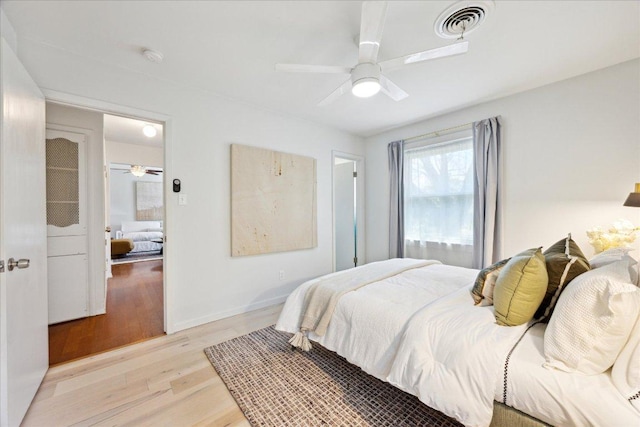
348,211
133,304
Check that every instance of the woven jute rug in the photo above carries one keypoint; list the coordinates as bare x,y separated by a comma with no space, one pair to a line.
275,385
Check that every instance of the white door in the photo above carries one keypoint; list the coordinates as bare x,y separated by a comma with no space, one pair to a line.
24,352
68,266
107,221
345,233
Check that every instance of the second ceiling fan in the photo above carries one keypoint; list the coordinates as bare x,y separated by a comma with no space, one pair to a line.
366,78
137,170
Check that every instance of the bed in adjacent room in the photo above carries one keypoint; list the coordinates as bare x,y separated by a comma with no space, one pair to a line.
147,236
417,328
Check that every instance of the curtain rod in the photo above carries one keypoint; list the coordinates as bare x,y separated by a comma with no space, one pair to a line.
438,132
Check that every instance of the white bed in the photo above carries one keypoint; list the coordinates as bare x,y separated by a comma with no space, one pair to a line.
144,234
420,331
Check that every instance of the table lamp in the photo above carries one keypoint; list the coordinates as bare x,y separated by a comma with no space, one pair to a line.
634,198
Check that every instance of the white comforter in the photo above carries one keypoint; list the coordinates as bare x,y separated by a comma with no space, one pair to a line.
367,324
420,331
452,355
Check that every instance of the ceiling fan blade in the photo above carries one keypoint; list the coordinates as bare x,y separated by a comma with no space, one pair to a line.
344,88
371,26
391,89
151,172
301,68
439,52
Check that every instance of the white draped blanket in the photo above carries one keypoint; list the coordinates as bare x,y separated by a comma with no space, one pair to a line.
321,298
367,323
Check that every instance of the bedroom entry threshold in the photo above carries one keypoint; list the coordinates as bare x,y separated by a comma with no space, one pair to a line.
135,313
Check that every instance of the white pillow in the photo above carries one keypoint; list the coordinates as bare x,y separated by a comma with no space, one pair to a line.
592,320
626,370
616,254
611,255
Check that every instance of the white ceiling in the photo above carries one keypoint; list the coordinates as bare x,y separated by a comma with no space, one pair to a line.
230,48
129,131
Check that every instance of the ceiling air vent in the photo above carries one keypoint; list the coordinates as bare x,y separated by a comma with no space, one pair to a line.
462,17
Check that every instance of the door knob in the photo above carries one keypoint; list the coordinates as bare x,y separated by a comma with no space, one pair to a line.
107,229
21,263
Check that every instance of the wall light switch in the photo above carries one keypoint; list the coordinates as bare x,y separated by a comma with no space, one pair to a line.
182,199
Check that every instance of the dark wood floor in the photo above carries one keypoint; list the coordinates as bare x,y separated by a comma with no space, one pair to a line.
134,313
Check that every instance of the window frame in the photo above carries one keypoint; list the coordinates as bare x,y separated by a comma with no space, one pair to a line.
433,142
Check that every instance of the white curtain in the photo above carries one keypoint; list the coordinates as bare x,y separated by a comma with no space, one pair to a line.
447,253
438,202
487,248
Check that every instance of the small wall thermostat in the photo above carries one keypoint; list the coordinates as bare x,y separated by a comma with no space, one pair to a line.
176,185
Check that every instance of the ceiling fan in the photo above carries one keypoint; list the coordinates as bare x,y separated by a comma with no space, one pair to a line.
366,78
139,170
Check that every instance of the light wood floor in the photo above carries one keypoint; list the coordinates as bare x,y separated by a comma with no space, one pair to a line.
165,381
135,312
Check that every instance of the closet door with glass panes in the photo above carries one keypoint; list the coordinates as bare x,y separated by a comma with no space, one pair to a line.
68,269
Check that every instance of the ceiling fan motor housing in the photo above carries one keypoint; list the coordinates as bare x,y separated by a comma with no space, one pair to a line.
365,71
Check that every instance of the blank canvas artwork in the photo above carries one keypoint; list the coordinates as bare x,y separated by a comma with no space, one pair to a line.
273,201
148,201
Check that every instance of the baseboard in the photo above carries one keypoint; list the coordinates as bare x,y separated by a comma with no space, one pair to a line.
179,326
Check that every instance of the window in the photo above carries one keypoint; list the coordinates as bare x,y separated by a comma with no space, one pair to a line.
438,192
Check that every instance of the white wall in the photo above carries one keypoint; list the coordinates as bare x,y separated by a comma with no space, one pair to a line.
122,196
571,154
134,154
204,282
91,124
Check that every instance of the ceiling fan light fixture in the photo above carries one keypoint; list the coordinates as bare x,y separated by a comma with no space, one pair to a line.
365,80
149,131
138,170
366,87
